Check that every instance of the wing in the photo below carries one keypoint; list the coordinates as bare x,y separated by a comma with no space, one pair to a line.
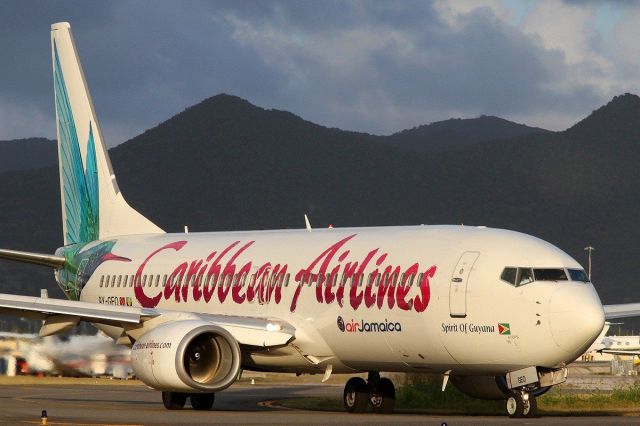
59,315
624,310
620,352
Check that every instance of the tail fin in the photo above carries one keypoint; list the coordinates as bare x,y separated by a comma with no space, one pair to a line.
92,204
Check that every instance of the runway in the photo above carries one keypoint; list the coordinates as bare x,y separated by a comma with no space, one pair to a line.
241,404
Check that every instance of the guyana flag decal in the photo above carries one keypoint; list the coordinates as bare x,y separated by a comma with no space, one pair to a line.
504,328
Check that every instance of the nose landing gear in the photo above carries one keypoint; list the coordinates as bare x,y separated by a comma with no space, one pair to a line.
377,391
522,403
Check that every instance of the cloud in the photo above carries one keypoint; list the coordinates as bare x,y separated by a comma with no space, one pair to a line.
371,66
382,75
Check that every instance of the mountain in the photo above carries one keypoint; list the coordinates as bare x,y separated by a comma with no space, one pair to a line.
226,164
457,133
26,154
618,117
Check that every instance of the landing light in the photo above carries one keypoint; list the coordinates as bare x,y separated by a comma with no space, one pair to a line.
273,327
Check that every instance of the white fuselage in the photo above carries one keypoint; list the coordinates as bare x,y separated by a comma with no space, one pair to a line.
429,298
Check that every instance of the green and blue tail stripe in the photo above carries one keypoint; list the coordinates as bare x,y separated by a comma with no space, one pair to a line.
80,187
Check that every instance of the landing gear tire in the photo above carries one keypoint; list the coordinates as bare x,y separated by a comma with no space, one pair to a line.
356,395
515,406
522,405
202,401
384,397
533,407
174,400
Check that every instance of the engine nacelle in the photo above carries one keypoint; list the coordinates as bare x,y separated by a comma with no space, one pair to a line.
483,387
187,356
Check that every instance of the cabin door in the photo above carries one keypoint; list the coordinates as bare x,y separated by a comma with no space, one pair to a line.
458,285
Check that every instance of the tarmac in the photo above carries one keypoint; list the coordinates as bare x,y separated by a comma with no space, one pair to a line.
131,404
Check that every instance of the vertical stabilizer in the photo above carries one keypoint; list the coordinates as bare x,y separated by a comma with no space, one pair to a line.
92,204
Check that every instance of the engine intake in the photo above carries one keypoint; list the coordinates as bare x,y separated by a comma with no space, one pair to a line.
187,355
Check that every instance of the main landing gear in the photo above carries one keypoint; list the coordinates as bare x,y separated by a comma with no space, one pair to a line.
177,400
377,391
522,403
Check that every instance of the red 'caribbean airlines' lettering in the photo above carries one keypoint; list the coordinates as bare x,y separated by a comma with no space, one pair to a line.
393,285
333,273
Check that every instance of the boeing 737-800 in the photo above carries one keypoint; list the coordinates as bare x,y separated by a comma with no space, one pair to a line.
498,312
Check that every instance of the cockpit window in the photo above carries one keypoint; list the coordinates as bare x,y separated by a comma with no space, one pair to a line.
578,275
549,274
509,275
525,276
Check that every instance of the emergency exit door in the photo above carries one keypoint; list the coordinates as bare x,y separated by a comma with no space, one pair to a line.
459,282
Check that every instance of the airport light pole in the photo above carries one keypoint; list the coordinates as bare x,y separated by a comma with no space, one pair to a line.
589,249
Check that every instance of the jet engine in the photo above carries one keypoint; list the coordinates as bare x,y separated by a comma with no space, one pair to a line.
187,356
483,387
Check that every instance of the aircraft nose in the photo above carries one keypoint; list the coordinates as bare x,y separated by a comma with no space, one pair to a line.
576,317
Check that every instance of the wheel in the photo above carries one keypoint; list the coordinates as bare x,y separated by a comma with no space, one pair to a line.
174,400
515,406
531,407
356,395
202,401
384,398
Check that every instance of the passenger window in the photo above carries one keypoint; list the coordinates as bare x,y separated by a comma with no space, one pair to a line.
549,274
286,283
525,276
509,275
101,280
119,280
578,275
126,278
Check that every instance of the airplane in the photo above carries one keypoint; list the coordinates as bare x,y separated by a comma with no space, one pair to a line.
76,356
498,312
613,345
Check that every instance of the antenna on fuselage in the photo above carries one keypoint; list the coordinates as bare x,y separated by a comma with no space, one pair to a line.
307,223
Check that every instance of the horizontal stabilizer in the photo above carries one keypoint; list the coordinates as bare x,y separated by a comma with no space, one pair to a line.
35,258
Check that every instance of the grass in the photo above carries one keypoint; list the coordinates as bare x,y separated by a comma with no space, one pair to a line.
620,401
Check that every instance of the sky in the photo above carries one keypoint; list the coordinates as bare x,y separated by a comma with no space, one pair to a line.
371,66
